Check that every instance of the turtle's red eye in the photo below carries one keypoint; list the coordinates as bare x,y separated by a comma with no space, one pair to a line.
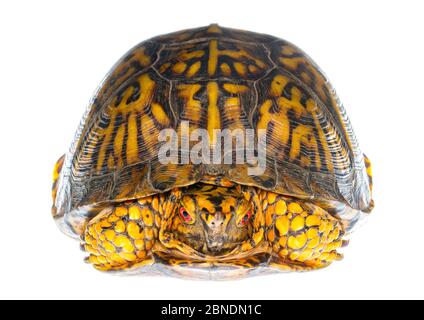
185,215
246,218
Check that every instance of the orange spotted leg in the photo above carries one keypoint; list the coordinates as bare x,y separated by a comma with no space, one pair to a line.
303,236
122,236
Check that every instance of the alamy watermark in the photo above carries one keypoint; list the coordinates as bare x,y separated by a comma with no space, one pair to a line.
199,146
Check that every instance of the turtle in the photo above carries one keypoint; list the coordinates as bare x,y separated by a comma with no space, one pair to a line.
282,193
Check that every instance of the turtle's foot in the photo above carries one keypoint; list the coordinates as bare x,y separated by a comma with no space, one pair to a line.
303,236
122,236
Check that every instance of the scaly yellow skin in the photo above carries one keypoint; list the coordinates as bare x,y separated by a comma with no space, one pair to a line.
295,235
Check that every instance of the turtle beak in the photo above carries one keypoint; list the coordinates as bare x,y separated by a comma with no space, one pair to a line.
215,233
215,244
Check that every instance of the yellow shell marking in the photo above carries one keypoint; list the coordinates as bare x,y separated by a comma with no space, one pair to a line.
312,77
142,57
132,140
194,69
214,28
281,122
240,67
160,115
193,108
184,56
232,106
123,109
225,69
179,67
56,174
213,57
303,136
214,118
124,70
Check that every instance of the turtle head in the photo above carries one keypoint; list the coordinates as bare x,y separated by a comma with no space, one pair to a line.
212,220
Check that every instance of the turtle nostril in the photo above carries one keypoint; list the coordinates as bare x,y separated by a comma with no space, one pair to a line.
216,224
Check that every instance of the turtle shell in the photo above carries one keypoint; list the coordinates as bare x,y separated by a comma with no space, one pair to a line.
246,81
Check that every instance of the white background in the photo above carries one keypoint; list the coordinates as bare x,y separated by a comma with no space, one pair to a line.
52,56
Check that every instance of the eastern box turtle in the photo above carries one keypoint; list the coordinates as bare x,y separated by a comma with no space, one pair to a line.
135,212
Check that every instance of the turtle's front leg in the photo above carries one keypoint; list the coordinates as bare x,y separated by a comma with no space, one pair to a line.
122,236
303,236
